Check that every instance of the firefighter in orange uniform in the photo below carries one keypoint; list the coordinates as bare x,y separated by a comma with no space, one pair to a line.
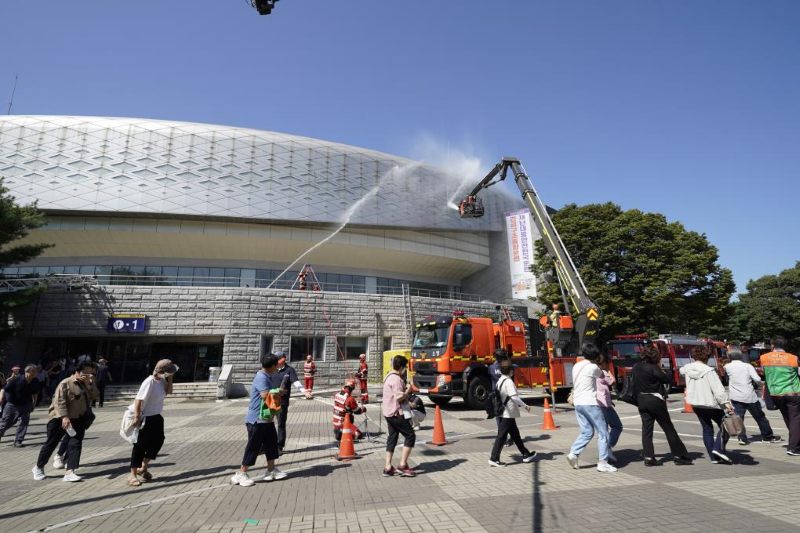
345,405
362,378
309,369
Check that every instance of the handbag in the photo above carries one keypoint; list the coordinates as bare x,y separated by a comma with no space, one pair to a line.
628,393
733,424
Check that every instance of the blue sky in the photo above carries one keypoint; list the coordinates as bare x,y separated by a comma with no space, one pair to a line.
687,108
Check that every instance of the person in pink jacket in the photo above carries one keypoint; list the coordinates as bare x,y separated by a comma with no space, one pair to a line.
607,406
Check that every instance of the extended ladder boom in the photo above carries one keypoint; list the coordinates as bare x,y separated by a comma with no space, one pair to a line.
568,275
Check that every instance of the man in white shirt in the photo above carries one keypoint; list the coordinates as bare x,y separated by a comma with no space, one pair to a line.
742,383
590,416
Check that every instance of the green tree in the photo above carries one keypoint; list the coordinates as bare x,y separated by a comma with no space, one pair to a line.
646,274
15,223
771,306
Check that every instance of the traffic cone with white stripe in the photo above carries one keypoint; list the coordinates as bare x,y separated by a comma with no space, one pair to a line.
686,407
549,423
347,450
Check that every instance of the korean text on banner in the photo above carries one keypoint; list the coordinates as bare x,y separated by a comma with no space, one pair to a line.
519,225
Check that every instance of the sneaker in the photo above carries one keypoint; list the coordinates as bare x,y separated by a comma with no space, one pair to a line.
722,457
38,473
58,462
605,467
390,472
743,442
417,428
680,461
652,462
18,444
275,475
72,477
498,464
509,443
773,439
242,479
405,471
796,452
529,457
572,460
611,457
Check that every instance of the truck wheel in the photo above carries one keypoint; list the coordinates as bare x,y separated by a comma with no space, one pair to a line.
478,392
441,401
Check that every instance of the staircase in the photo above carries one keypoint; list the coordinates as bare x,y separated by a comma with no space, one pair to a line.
201,390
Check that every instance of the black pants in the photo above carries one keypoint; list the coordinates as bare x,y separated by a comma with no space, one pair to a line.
102,389
653,410
790,409
507,427
280,418
261,438
13,413
74,444
150,441
399,425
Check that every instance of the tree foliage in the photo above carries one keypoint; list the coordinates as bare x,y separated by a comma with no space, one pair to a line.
771,306
646,274
16,221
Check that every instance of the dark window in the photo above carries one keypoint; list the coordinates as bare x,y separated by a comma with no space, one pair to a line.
351,347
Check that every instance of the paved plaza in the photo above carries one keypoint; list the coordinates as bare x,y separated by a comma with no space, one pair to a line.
455,491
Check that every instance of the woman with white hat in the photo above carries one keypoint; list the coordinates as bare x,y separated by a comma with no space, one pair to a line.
147,408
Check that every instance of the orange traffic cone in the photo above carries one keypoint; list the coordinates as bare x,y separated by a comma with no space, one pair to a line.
346,449
438,430
686,407
548,417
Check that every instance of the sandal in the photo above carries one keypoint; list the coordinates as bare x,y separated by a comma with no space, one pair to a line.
134,482
145,474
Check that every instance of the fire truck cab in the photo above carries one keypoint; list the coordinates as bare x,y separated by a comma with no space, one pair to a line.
676,352
450,356
623,351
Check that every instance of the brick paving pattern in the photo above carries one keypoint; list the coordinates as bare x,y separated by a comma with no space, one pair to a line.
455,491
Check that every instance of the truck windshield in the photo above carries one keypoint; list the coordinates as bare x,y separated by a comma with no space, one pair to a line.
432,336
628,352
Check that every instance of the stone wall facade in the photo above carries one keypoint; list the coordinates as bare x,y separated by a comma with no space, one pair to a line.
243,317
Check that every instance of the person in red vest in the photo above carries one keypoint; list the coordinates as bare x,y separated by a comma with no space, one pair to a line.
362,378
309,369
344,405
783,383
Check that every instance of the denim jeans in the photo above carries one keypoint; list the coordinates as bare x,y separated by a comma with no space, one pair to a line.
614,424
759,416
708,417
591,421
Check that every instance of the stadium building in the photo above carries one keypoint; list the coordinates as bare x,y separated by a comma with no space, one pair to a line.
187,227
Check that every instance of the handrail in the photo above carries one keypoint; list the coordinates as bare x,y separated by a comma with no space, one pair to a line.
127,280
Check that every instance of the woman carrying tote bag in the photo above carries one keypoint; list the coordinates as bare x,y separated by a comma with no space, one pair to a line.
147,409
710,401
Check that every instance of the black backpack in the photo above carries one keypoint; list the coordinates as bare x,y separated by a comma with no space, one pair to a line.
628,392
495,405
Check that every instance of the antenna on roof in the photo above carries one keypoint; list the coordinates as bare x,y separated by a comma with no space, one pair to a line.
13,92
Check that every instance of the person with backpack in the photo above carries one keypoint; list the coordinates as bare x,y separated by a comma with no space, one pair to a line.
650,383
590,416
509,402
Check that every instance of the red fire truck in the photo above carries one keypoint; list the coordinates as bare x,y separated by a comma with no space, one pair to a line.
624,352
676,351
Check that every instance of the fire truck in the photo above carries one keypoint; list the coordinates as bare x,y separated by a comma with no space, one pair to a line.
624,352
462,365
450,355
676,352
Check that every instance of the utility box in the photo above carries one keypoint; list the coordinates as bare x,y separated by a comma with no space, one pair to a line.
388,355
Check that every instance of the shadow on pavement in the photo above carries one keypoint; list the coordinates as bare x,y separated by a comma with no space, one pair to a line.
438,466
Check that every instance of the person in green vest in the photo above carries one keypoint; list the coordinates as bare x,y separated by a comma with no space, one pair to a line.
783,382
